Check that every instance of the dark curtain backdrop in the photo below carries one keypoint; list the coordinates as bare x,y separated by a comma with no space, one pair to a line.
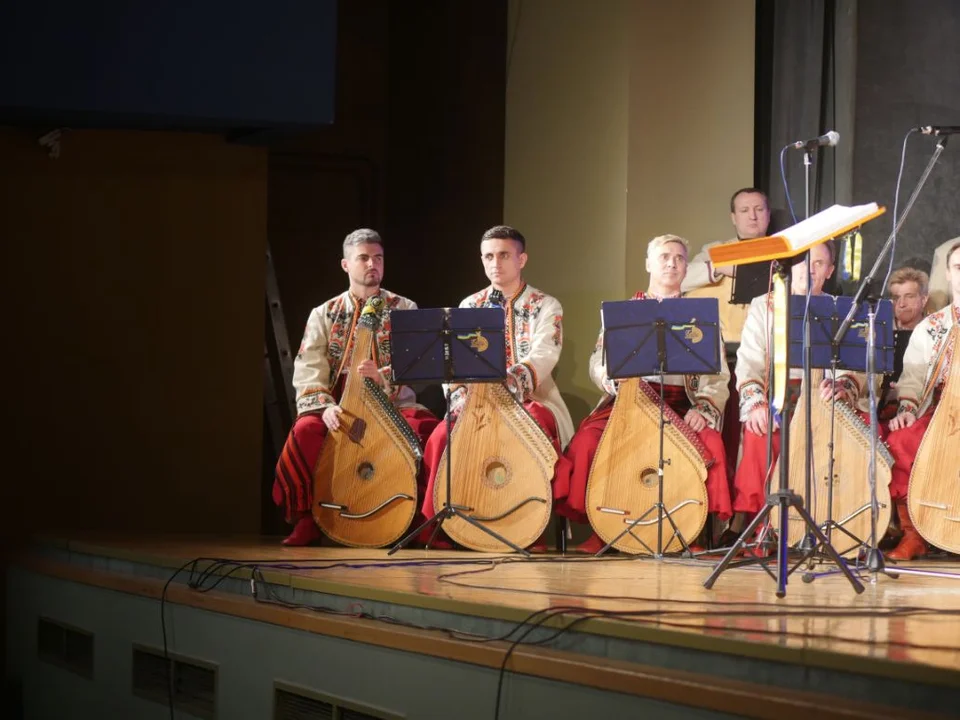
908,74
870,71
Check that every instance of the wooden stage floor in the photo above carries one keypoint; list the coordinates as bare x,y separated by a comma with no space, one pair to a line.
907,627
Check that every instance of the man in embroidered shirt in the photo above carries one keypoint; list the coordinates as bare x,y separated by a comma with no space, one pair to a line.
925,365
909,289
320,368
753,368
534,339
699,400
750,215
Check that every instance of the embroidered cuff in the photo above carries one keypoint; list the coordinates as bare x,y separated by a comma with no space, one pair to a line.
610,386
752,396
908,405
707,409
849,384
314,400
523,376
457,397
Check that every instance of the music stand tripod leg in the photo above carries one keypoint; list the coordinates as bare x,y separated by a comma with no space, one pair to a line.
784,498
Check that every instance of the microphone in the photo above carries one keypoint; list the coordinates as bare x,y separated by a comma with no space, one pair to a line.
939,129
495,299
831,138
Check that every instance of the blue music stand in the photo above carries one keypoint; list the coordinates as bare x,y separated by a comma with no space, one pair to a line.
826,314
676,336
449,345
681,336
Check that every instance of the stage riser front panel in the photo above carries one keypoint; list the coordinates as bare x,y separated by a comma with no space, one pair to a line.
251,656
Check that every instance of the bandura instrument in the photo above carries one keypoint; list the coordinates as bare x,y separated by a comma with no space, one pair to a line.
365,481
850,484
502,465
732,317
623,483
933,495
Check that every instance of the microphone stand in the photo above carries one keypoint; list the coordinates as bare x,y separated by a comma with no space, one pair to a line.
875,562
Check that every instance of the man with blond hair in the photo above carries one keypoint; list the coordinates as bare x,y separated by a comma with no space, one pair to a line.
698,399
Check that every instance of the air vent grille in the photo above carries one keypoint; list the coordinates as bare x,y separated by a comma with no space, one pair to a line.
347,714
65,646
194,682
291,706
292,702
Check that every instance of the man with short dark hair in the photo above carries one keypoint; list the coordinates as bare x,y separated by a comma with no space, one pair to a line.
534,339
750,215
925,367
320,369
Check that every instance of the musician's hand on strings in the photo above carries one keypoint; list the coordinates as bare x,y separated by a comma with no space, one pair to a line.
903,420
369,369
513,385
695,420
758,421
331,417
830,389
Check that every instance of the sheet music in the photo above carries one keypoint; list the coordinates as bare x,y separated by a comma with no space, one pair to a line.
825,223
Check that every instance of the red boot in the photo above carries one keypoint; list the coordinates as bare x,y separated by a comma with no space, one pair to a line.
911,545
304,532
592,545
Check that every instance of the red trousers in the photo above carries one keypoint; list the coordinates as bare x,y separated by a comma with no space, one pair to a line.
584,444
904,444
293,481
750,486
434,447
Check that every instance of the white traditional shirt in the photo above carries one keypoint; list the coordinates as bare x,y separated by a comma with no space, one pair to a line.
752,367
700,269
708,394
534,339
926,361
327,348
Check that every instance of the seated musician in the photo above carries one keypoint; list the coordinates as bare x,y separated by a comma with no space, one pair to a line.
940,294
320,368
750,215
925,364
909,289
534,339
753,369
698,399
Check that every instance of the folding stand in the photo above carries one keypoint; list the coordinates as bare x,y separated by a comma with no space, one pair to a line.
449,345
875,560
783,499
825,312
642,338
